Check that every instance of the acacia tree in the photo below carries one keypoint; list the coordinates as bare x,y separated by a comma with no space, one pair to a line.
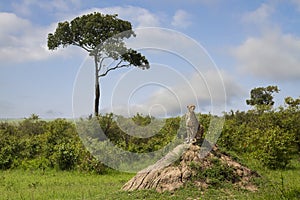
102,36
262,97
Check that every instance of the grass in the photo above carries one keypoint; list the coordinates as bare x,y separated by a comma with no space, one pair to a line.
20,184
281,184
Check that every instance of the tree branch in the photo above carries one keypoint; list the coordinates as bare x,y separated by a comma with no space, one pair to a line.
118,66
85,48
101,61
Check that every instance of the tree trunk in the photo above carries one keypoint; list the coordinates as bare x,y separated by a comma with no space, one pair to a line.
97,88
97,98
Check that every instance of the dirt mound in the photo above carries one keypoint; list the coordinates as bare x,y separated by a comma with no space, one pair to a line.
213,168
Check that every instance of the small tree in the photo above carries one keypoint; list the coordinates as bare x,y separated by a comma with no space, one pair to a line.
262,97
293,104
103,37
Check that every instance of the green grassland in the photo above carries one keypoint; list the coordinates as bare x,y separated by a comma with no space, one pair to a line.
53,184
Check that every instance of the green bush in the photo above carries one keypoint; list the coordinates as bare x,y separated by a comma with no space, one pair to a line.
275,148
66,155
41,163
9,146
271,137
6,157
91,164
36,144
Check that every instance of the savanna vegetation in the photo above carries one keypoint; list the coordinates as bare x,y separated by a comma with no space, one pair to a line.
47,159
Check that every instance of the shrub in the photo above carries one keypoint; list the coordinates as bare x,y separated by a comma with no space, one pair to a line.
271,137
91,164
275,148
216,174
9,146
36,163
66,155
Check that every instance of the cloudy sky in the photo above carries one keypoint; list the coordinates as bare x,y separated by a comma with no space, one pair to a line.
205,52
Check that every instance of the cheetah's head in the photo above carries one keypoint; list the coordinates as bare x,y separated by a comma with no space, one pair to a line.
191,108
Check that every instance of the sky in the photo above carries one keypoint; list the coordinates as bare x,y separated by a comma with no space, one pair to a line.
210,53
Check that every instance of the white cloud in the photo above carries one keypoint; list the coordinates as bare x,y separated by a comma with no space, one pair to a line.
140,17
21,40
10,23
181,19
274,56
259,16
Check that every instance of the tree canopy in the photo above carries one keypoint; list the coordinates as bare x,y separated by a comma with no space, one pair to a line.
292,103
262,96
88,31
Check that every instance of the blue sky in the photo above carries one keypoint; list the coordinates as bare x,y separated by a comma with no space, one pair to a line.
252,44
